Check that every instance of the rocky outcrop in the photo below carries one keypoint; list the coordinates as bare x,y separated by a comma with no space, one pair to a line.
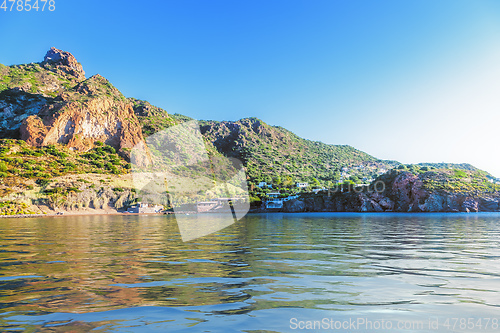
62,61
89,197
405,192
81,113
15,106
33,131
79,125
294,206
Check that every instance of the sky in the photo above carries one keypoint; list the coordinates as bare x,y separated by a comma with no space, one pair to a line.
412,81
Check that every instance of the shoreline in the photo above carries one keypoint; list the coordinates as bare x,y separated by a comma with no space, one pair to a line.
77,213
103,213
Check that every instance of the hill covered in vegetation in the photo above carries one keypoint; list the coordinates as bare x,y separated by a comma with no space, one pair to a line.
276,155
65,141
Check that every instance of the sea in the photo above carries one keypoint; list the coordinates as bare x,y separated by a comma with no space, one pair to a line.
275,272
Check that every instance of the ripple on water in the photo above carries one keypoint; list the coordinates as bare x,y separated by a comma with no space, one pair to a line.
135,274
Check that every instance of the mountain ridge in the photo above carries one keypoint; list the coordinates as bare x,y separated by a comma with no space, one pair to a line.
64,78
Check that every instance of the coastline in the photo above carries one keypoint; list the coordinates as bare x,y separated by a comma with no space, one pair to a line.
103,213
99,212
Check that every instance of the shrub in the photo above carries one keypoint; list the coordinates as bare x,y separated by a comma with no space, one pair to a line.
460,173
43,182
73,189
91,156
110,149
43,175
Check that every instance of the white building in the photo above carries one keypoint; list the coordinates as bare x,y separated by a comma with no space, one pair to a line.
264,184
274,201
145,208
302,185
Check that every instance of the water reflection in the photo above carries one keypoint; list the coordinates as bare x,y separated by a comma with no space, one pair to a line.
56,273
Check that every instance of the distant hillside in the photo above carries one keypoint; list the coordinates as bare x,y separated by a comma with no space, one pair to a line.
459,166
408,189
270,152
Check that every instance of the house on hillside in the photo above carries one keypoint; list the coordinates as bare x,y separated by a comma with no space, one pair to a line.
302,185
273,201
264,184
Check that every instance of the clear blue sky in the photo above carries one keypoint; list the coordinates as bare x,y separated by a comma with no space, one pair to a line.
414,81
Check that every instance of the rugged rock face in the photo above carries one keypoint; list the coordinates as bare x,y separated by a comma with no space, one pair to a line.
80,126
15,106
76,112
89,197
52,102
81,118
294,206
65,62
403,193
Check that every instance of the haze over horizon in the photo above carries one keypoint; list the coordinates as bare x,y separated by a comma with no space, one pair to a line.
414,81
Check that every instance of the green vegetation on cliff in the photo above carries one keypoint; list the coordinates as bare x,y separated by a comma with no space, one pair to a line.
270,152
35,78
152,118
21,166
447,180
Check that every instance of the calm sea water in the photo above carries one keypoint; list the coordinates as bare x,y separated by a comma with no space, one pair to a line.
266,273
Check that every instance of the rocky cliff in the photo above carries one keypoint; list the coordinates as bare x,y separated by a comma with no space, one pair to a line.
92,111
63,63
52,102
404,191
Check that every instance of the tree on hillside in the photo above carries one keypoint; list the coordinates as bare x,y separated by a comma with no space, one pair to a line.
288,181
354,179
315,182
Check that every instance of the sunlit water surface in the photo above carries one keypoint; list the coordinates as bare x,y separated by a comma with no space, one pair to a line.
266,273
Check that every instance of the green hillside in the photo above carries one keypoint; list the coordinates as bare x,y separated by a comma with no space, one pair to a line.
271,152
